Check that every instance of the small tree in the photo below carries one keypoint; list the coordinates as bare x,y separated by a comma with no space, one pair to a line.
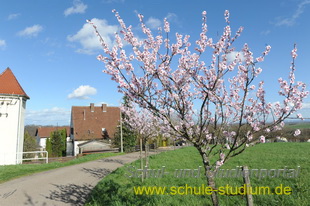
48,147
129,136
63,134
144,124
30,144
207,95
58,143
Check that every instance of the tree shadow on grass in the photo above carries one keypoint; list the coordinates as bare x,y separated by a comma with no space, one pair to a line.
109,192
71,193
99,173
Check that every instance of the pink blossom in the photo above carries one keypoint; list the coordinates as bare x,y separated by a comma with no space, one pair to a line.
299,116
294,53
219,164
260,59
186,94
226,14
166,25
222,156
227,146
262,139
297,132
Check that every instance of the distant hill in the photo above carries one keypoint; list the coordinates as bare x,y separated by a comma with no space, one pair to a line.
298,125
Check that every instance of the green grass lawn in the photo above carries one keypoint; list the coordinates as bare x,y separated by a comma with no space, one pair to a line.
305,125
9,172
117,188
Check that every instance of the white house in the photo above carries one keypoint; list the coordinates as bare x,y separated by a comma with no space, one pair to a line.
12,112
89,123
43,133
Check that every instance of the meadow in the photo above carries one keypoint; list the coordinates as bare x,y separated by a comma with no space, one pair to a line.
118,188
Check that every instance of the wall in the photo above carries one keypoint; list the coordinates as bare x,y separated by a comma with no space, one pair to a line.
12,111
42,142
70,147
76,147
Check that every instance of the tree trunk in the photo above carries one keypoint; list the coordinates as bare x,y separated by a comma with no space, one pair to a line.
210,175
146,153
211,183
141,158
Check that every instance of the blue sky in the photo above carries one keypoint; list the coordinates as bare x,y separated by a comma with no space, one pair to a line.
53,53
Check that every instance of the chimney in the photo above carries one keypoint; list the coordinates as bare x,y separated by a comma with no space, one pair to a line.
92,107
104,108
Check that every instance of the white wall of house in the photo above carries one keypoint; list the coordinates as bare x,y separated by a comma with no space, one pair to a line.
12,110
70,147
42,142
94,146
76,147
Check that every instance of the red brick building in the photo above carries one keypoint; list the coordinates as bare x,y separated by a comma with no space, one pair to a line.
93,123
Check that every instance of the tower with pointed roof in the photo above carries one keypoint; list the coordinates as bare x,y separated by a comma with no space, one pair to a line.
12,112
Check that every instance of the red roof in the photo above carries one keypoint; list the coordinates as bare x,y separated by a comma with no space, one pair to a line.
9,84
44,132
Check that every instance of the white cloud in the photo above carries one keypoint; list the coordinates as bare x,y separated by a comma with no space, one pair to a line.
88,39
153,23
306,105
83,92
50,53
101,103
113,1
2,44
52,42
232,55
265,33
51,116
31,31
77,8
290,21
172,17
13,16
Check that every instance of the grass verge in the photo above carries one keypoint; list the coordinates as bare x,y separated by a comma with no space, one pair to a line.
118,189
9,172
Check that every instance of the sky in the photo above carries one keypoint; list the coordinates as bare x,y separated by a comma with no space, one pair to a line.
52,50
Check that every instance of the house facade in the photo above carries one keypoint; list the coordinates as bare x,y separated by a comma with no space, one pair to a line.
89,123
12,114
43,133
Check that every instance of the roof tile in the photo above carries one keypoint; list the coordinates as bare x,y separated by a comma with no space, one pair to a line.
44,132
9,84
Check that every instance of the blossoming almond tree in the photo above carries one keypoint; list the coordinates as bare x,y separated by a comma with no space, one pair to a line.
218,106
144,124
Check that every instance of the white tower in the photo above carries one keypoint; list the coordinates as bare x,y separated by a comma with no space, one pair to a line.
12,113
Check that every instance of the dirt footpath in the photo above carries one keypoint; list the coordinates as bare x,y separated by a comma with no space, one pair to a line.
63,186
